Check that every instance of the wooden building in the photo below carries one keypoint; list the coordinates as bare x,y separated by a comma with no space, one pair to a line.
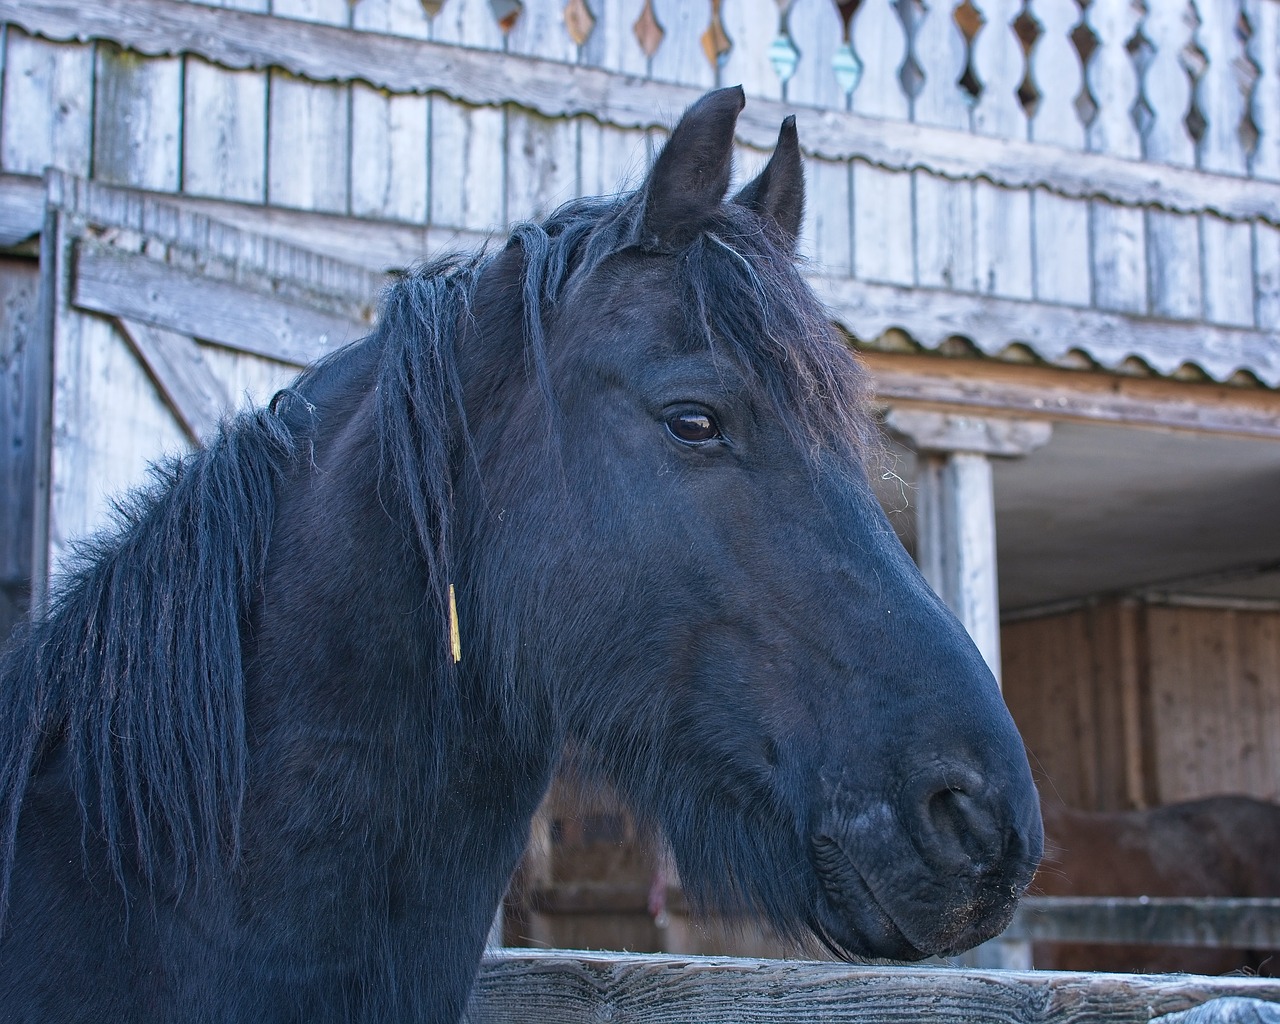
1051,226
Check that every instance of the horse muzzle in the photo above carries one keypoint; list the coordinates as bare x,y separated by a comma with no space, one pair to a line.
936,872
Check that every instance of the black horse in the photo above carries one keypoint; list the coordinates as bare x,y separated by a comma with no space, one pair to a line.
256,763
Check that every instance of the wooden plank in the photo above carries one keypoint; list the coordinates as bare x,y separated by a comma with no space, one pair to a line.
944,243
390,135
46,112
21,208
883,228
1118,234
468,161
237,39
1226,249
20,374
1227,261
930,317
1045,673
522,985
108,425
1058,394
174,361
137,119
1001,217
1257,686
610,159
119,284
1264,53
827,237
308,144
1169,921
224,133
1173,252
1059,225
243,255
753,26
542,152
680,59
224,138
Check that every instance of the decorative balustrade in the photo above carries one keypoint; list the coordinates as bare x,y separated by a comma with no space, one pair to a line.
1186,82
1074,176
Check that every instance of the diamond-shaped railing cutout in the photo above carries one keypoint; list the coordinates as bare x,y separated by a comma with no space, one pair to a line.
1247,74
649,33
784,57
1028,30
1141,52
970,22
579,21
506,13
1085,40
716,43
432,7
848,68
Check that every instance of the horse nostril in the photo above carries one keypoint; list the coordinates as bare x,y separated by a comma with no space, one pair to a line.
957,825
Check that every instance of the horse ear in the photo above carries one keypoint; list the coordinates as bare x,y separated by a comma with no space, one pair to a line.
691,175
777,192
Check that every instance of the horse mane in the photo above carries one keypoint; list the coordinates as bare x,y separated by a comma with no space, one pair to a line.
136,667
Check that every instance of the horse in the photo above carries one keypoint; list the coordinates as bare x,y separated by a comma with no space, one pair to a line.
1221,846
272,752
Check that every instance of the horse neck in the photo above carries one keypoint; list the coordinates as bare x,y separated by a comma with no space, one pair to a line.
345,664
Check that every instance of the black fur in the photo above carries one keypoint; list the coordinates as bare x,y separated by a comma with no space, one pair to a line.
243,777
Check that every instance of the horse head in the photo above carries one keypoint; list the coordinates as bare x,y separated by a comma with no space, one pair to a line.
695,575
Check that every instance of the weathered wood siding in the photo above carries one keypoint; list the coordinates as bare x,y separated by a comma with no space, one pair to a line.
163,323
1126,704
1104,181
20,369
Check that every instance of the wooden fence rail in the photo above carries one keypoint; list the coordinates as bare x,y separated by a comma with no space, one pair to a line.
1145,921
571,987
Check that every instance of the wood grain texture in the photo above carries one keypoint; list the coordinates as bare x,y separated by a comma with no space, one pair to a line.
240,253
930,317
1238,923
1058,394
137,123
46,116
883,228
224,135
1199,745
237,39
21,208
120,284
20,366
565,986
178,369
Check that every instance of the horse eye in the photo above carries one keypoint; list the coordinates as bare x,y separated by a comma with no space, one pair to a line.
693,427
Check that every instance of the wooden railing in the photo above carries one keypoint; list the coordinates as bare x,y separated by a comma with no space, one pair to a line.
568,987
1147,921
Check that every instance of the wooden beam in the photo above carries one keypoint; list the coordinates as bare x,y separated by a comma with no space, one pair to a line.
240,39
977,385
179,371
570,987
931,316
214,247
1145,921
21,208
121,284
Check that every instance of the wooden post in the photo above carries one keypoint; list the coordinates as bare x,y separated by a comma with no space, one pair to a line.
956,521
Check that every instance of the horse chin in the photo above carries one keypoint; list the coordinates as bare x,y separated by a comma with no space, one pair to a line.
856,919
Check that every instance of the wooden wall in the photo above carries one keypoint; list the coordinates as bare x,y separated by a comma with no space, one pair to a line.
1125,704
1057,195
18,366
